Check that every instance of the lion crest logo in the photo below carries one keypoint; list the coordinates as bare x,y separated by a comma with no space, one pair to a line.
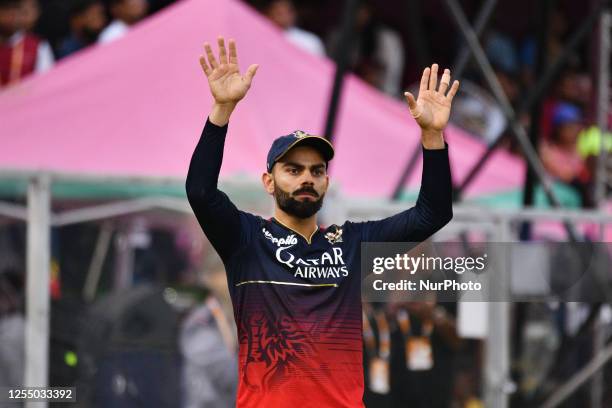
334,237
300,134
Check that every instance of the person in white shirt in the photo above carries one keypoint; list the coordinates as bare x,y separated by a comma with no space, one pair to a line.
377,51
283,14
30,13
125,13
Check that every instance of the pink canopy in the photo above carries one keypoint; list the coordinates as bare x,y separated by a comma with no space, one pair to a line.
135,107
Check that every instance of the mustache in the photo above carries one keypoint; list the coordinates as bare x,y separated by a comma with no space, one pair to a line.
308,190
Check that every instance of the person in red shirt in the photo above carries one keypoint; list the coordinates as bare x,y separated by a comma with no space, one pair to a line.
21,52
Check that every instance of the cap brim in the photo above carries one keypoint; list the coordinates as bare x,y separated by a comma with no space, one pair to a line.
318,143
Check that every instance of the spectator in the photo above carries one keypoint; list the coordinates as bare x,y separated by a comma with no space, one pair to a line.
283,14
30,13
125,13
560,154
425,343
501,52
209,370
557,32
377,54
87,20
573,87
21,52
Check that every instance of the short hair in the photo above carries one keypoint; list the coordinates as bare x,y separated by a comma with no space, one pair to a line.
265,5
77,7
4,4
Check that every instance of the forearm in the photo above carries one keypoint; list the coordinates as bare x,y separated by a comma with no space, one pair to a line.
434,204
221,112
432,139
206,161
217,215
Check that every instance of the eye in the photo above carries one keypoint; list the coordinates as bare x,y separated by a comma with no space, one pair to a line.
293,171
319,172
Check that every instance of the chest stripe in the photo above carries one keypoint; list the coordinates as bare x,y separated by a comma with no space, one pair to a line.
335,285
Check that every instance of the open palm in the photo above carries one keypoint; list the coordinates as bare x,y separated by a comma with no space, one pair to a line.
226,83
432,108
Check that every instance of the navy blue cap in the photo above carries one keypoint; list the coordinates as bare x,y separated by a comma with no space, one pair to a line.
566,113
298,138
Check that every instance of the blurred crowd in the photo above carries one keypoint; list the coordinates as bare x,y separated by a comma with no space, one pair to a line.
24,47
383,52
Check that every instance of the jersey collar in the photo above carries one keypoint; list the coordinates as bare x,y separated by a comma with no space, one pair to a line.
308,240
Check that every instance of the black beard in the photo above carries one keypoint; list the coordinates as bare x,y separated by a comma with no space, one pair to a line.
300,209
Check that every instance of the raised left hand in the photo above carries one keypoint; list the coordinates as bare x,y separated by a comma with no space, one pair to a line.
431,109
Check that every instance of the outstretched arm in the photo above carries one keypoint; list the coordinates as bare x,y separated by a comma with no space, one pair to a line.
433,208
225,226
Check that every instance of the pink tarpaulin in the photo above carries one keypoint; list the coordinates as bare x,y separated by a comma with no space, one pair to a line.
135,107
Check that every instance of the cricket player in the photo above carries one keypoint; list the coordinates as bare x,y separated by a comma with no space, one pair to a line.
295,286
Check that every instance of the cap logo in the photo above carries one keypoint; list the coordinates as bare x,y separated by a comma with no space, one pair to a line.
300,134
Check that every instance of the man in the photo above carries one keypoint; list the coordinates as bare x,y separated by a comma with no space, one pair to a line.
283,14
209,361
87,20
125,13
376,54
21,52
295,287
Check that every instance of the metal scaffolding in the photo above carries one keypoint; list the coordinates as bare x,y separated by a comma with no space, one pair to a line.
40,218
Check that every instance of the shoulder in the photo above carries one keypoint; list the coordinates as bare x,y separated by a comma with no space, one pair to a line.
113,31
390,38
32,39
69,45
302,34
252,222
256,220
306,39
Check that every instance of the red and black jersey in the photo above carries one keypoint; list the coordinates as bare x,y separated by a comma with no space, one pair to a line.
296,299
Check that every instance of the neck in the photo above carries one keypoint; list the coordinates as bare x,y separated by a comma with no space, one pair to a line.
303,226
125,21
567,145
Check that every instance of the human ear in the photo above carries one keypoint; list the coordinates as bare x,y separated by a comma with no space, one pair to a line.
268,182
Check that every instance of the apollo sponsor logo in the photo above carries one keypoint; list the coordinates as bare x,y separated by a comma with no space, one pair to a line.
289,240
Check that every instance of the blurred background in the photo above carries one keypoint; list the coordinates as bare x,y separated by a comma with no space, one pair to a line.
107,283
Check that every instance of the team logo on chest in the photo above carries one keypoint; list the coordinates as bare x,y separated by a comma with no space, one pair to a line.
334,237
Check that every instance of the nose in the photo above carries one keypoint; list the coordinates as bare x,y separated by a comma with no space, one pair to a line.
307,179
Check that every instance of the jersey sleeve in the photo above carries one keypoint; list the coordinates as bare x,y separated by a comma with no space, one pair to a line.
227,228
433,208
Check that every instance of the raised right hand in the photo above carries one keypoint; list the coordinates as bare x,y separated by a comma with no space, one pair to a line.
226,84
